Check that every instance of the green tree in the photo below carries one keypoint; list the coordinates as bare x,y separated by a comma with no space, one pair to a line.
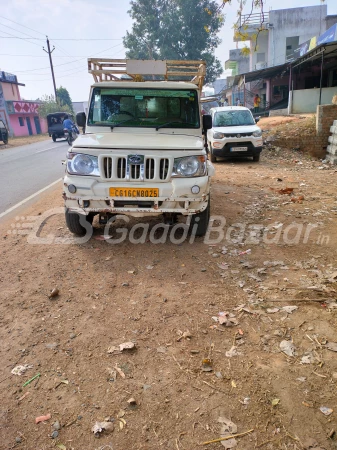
64,99
49,105
176,29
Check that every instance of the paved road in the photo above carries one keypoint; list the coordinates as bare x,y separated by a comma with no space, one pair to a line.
27,169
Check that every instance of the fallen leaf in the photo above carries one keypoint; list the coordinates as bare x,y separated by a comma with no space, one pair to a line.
275,401
233,384
61,446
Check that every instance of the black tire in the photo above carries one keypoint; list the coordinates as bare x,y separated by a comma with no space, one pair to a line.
69,140
53,137
202,219
256,158
73,221
6,140
212,157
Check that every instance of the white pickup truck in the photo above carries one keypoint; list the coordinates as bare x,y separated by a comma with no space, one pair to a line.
143,151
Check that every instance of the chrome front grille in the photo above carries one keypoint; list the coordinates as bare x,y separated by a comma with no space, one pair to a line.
153,168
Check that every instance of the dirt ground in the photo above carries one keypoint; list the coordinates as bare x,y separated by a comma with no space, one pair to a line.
189,374
24,140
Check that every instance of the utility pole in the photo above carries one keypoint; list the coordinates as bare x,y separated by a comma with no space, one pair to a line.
51,64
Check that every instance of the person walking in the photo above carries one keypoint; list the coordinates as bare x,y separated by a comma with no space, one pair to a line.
257,102
225,103
238,103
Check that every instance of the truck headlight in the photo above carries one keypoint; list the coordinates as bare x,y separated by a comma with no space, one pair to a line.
217,135
189,166
80,164
257,133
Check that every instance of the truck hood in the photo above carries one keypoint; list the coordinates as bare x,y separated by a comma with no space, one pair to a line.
146,141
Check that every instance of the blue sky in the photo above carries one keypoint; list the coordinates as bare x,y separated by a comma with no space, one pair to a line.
102,22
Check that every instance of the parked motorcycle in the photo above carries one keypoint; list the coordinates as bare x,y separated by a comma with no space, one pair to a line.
71,135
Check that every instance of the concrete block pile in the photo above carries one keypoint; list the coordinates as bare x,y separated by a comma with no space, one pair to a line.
332,147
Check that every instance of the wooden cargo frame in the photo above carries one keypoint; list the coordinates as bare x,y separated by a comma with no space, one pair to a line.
175,70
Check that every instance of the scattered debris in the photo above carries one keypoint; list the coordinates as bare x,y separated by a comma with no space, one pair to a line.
331,346
275,401
185,335
226,318
228,428
54,293
55,434
287,347
20,370
325,410
232,352
32,379
122,347
246,252
162,350
132,402
43,418
99,427
102,237
289,309
206,365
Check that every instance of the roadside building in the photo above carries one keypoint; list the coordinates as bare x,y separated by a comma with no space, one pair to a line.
20,116
292,62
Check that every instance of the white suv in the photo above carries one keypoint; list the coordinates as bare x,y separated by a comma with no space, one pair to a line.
234,133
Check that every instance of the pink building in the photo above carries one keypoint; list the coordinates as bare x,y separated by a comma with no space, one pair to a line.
20,116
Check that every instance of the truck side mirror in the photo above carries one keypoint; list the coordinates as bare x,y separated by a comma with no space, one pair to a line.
207,121
81,119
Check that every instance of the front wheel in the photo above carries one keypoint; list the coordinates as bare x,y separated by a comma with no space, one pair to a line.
6,140
69,139
213,158
256,158
199,222
76,222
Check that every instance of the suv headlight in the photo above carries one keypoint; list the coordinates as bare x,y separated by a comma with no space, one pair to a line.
189,166
80,164
257,133
217,135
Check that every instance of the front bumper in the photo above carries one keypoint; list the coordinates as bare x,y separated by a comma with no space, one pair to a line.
228,148
174,197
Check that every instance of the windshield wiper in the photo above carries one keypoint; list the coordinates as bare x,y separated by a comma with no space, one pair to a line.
171,123
120,123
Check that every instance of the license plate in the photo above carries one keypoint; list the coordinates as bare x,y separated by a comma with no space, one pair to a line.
134,192
239,149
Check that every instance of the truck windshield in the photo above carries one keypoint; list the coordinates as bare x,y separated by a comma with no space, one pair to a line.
139,107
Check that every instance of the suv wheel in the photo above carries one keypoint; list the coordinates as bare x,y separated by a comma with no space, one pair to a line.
203,219
73,221
213,158
53,137
6,140
256,158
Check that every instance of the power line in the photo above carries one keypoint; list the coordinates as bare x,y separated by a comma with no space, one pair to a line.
66,63
15,37
18,31
24,26
59,39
